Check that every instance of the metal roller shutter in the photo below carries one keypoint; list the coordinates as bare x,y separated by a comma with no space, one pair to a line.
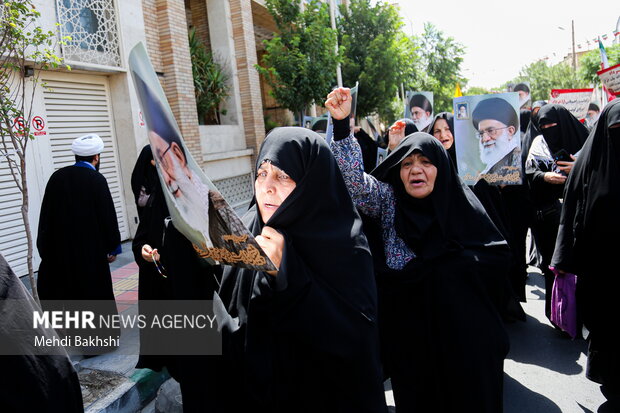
77,108
13,244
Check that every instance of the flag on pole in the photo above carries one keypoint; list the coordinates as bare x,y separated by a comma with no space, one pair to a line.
457,91
601,48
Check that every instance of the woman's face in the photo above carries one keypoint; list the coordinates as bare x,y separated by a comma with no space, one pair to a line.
272,187
441,131
418,175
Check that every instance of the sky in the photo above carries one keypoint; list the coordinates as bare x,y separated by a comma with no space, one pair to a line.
501,36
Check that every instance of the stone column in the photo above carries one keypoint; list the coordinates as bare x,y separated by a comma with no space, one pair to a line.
249,82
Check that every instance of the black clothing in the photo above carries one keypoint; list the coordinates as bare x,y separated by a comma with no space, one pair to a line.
569,134
152,285
77,230
369,150
524,119
587,244
443,304
531,132
191,278
31,383
305,340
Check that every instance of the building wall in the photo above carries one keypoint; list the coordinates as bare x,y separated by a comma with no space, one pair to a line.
249,82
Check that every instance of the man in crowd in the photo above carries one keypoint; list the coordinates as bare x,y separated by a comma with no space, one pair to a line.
78,238
593,113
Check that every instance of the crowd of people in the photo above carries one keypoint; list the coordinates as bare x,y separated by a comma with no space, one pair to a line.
398,271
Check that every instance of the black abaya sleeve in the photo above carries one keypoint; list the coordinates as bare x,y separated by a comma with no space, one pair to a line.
305,305
565,241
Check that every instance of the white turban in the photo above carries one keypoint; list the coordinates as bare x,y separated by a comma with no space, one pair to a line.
87,145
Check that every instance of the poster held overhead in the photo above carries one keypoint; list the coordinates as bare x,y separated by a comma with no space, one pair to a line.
488,138
196,206
419,108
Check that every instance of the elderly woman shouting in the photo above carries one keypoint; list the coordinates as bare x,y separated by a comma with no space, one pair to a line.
443,342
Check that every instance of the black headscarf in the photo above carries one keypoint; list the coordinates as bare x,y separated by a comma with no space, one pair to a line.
569,134
410,126
323,233
524,119
589,220
532,131
448,117
450,218
144,174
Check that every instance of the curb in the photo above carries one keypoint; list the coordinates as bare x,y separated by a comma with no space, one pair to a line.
132,394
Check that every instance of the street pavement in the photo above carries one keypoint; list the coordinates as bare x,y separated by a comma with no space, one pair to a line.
545,370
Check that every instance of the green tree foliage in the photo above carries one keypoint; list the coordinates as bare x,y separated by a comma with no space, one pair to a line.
543,78
475,90
24,45
300,62
590,63
438,67
376,53
210,81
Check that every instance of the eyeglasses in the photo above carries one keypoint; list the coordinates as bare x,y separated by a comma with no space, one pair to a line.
162,156
493,133
160,268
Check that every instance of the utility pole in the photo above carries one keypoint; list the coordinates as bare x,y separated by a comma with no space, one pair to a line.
574,56
332,17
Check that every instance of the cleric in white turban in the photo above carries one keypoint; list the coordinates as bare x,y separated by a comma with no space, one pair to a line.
87,145
78,235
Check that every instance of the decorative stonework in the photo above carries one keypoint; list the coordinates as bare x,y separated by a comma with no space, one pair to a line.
92,25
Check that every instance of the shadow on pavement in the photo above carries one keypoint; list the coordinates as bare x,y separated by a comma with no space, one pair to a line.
538,343
523,399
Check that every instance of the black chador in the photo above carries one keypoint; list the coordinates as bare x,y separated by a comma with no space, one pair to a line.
305,340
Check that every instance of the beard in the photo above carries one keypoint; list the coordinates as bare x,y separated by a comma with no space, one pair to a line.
422,122
500,148
193,204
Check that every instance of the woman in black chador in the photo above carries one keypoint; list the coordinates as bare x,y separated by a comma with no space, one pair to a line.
304,338
548,164
443,340
587,244
152,211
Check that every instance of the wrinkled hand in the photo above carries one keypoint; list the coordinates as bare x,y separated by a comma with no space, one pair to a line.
565,166
272,242
396,134
338,103
554,178
148,252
